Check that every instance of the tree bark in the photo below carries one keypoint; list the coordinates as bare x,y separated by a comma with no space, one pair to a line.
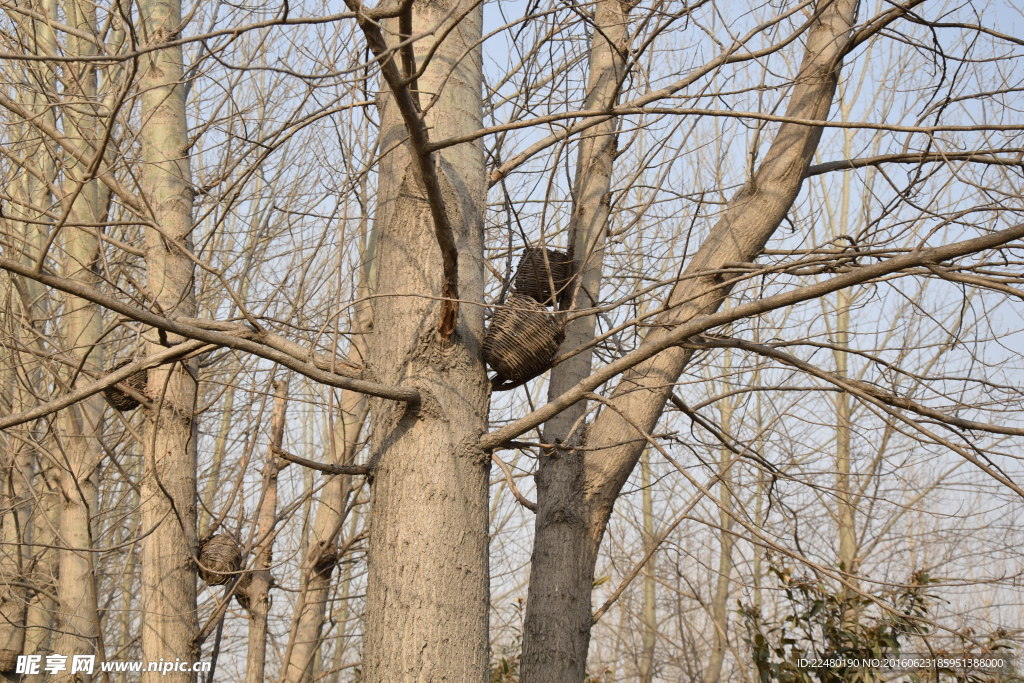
427,586
33,471
15,551
26,614
304,642
720,600
81,427
556,631
82,422
649,626
752,216
311,609
258,589
169,625
846,509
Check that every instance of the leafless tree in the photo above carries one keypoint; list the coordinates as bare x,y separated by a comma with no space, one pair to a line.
795,233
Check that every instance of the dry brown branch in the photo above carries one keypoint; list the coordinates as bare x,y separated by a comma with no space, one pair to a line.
234,341
701,324
323,467
425,167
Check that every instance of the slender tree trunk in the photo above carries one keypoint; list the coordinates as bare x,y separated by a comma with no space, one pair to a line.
846,517
558,610
168,621
761,491
847,554
15,553
720,601
259,589
81,423
30,517
649,634
34,518
208,513
427,586
129,591
311,609
18,460
42,608
345,612
613,444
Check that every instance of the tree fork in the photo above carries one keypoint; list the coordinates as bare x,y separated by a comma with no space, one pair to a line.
753,215
428,583
556,631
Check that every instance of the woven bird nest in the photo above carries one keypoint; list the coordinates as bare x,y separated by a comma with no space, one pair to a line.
522,339
241,591
9,659
119,399
541,268
220,557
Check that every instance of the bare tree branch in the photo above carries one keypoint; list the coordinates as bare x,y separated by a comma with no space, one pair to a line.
694,326
426,168
253,345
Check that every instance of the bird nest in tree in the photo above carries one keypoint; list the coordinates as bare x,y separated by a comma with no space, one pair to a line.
119,399
8,660
220,556
541,269
241,590
522,339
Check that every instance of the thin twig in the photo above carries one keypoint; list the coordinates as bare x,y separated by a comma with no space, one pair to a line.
523,500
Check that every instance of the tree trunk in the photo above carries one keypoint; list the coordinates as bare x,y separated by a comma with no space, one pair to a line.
26,505
40,611
304,640
81,423
556,632
345,613
427,586
168,620
214,482
311,608
720,600
846,518
259,588
15,551
613,444
649,626
35,521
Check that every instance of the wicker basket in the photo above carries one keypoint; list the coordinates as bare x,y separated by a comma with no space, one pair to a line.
220,557
538,269
522,339
120,400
